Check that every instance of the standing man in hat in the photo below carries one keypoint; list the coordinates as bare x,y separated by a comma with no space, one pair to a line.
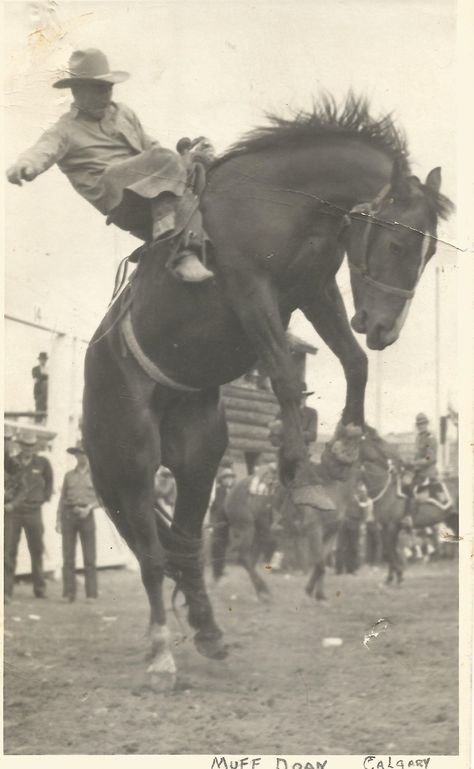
165,490
426,452
40,387
220,522
34,488
75,517
109,159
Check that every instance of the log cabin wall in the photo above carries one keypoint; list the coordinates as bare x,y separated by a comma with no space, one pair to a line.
250,406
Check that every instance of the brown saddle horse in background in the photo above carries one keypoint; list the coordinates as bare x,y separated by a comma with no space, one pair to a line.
280,208
382,470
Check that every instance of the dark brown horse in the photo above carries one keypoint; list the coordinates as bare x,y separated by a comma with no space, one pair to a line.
275,210
384,474
250,520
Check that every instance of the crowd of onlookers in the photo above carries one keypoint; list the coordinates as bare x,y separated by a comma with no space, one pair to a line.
29,483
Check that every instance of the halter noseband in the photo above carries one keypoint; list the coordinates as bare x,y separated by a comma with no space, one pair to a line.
370,211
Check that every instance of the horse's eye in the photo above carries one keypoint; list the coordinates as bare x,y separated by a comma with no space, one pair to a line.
395,249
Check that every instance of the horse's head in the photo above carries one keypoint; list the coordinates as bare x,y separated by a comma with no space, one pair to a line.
389,242
375,450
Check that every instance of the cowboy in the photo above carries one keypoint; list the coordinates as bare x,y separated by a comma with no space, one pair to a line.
109,159
75,516
40,387
309,422
426,452
34,487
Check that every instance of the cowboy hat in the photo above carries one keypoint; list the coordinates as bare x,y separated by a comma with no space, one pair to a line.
89,65
421,419
43,356
77,449
226,472
8,432
27,439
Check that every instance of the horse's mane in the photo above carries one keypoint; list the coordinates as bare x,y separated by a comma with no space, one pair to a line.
352,118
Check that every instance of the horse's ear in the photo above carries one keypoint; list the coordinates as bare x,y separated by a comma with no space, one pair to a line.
433,180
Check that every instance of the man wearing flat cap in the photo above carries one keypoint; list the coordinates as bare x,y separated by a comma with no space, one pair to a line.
109,159
33,488
75,517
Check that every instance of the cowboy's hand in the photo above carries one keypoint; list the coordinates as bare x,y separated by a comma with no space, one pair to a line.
203,152
20,171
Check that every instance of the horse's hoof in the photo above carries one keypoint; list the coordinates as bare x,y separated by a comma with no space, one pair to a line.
211,647
162,672
308,591
264,597
162,682
321,597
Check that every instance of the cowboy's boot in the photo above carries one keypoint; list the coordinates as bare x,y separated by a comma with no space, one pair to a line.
184,263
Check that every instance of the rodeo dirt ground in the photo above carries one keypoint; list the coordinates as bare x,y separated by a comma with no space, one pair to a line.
75,680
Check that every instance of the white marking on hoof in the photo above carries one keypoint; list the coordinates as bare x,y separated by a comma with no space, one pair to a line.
162,669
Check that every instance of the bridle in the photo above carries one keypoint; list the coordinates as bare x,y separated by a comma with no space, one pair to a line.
370,211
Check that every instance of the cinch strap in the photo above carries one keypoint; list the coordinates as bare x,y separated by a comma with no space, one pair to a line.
146,363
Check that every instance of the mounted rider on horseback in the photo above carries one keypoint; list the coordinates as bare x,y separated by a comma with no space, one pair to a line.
138,185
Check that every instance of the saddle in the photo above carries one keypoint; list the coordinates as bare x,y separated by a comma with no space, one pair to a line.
312,496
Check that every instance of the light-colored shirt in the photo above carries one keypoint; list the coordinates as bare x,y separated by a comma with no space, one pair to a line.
77,490
83,148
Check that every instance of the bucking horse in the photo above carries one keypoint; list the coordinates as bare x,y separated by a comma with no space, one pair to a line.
281,209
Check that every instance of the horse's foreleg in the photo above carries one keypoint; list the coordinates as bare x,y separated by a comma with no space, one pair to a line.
255,301
328,315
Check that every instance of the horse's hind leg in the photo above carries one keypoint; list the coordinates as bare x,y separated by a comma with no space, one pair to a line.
248,553
315,584
194,437
124,458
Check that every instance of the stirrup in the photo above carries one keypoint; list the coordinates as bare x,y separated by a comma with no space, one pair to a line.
186,266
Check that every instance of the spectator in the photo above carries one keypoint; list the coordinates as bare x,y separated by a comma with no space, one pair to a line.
75,516
34,487
219,521
373,540
165,490
40,387
10,465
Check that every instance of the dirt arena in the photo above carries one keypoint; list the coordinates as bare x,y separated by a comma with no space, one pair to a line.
75,677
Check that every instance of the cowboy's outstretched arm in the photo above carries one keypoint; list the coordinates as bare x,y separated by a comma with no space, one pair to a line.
50,147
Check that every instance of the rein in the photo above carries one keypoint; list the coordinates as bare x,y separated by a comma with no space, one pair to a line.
384,489
370,211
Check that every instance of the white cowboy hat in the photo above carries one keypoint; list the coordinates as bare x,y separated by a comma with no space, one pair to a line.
89,65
